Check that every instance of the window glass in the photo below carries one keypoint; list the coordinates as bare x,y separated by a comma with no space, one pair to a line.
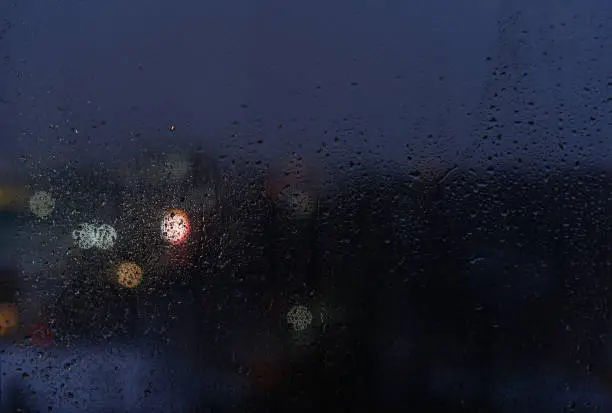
304,206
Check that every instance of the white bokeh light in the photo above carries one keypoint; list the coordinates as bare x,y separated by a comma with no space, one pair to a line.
299,317
42,204
90,236
84,237
106,236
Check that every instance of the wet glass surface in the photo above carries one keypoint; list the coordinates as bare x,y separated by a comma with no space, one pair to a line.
271,206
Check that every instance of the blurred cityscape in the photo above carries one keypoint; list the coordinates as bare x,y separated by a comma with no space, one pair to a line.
172,284
282,206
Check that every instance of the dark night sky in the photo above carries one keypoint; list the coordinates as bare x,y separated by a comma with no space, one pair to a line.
402,69
396,71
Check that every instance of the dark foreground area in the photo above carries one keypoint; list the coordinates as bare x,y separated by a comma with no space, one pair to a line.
440,291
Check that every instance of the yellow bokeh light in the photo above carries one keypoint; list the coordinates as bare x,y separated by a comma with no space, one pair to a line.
12,197
129,274
9,319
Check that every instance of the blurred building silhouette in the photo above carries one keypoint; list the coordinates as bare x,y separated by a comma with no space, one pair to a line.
425,294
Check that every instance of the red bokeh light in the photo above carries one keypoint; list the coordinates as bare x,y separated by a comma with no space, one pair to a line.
41,336
175,227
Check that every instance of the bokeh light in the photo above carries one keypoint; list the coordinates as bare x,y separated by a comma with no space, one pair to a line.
129,274
42,204
89,236
9,319
299,317
85,236
106,236
175,227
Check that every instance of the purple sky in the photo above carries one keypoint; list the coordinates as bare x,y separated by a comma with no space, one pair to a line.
380,75
389,72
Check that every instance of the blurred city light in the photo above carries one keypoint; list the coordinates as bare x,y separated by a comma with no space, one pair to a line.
42,204
129,274
175,227
9,319
299,317
90,236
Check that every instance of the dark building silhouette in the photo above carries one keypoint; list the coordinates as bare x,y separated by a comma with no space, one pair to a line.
480,276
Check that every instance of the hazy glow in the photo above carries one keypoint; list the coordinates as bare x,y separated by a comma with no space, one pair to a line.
129,274
299,317
42,204
12,196
175,227
85,236
89,236
9,319
41,336
299,202
106,236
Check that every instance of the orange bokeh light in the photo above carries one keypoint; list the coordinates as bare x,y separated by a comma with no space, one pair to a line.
129,274
9,319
